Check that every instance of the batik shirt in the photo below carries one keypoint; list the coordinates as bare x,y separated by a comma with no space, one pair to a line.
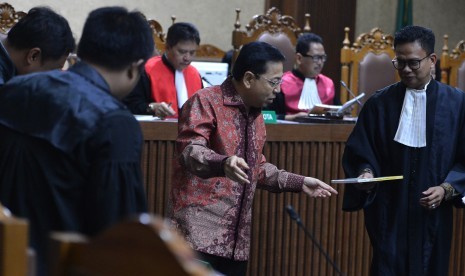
210,210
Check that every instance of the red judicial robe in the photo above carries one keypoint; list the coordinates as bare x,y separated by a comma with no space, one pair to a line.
162,81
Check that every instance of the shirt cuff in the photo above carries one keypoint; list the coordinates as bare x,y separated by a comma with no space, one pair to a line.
294,182
216,163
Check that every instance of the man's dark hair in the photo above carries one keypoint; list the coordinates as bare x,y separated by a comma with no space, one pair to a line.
424,36
304,40
254,57
41,27
182,32
114,38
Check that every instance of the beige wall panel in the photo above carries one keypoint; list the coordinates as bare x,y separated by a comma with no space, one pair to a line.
443,17
214,18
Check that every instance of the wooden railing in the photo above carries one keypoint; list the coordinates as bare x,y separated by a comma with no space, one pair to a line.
278,246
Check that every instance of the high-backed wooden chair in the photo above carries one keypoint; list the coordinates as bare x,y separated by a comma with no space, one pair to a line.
453,65
15,257
142,246
274,28
159,37
208,52
205,52
8,17
367,66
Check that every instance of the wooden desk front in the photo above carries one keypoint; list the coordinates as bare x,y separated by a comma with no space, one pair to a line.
278,246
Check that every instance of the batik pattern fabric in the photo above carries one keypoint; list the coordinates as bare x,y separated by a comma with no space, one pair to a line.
213,212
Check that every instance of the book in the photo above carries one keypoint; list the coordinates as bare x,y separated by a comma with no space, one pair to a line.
324,108
366,180
336,109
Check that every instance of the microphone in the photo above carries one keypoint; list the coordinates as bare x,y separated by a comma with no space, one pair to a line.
350,92
205,80
293,214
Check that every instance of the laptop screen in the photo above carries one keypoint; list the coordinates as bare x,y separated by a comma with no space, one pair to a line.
212,73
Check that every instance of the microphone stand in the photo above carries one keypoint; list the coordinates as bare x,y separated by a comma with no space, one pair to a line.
205,80
350,92
293,214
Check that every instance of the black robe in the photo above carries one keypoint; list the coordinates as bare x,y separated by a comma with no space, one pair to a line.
7,68
69,154
407,239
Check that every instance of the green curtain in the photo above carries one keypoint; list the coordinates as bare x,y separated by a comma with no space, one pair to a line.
404,14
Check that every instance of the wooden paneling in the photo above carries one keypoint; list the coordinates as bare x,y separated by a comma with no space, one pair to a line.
328,19
157,159
279,246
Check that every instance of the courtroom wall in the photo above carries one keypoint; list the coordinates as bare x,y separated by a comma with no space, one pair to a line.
443,17
214,18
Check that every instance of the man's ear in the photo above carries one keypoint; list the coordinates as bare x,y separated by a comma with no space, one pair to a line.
34,55
298,58
434,58
248,79
135,69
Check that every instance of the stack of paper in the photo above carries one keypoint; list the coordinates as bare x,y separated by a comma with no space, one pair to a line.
366,180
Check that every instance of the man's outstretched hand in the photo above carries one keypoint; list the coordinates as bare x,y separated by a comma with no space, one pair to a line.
317,188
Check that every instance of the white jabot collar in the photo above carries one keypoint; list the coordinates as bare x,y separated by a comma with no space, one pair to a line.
412,124
309,96
181,89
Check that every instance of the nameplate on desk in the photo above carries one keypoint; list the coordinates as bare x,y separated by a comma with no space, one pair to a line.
269,116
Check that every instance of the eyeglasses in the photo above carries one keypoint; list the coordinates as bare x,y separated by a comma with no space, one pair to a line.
272,83
413,64
316,58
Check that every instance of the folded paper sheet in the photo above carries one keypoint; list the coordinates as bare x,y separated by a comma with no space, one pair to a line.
366,180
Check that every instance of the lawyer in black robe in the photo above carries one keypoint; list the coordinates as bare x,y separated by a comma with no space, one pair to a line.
407,239
69,156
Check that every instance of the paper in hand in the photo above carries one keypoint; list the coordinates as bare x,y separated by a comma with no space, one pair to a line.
366,180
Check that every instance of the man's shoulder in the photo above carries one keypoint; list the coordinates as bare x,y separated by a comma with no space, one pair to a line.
37,81
291,83
387,90
192,72
60,88
443,86
289,77
209,93
325,78
153,61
